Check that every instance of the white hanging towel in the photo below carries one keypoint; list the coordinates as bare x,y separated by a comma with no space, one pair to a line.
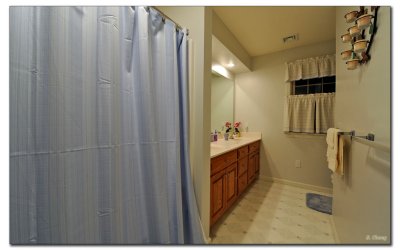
333,148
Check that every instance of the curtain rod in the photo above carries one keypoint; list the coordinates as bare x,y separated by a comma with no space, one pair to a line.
167,17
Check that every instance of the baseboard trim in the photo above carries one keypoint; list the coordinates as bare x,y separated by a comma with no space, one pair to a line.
297,184
207,239
335,233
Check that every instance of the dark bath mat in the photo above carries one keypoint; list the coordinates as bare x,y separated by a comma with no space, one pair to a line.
319,202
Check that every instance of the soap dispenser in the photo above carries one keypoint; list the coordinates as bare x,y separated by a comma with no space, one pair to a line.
215,135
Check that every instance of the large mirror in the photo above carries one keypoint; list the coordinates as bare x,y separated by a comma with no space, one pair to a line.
222,94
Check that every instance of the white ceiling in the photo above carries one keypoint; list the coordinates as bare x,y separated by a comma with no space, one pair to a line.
260,29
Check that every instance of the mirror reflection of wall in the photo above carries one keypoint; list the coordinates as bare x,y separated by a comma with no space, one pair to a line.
222,94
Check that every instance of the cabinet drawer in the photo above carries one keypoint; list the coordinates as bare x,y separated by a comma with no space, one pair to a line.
243,151
222,161
242,182
242,166
255,146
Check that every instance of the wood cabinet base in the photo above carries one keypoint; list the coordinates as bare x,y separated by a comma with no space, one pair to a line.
231,174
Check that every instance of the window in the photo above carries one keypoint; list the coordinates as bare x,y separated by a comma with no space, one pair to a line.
310,104
309,113
325,84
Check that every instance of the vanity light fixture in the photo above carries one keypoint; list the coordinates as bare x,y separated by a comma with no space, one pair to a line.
219,69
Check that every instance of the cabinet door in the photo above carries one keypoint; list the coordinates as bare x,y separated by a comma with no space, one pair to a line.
231,184
218,199
251,168
243,151
242,165
257,160
242,183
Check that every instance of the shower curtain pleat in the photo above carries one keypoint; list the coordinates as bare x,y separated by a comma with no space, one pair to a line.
99,128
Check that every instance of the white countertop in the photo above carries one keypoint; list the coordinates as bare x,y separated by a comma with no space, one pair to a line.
221,146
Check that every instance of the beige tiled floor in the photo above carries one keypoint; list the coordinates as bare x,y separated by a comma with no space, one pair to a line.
273,213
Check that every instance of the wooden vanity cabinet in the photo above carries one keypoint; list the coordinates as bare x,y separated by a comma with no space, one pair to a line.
223,191
243,162
242,183
254,161
231,174
231,184
223,183
254,147
257,159
251,171
218,196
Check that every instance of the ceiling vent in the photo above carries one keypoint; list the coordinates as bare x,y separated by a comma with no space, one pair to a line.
290,38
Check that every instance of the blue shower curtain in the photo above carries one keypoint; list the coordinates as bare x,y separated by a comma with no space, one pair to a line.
98,128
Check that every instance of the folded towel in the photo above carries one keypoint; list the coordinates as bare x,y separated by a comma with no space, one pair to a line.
332,150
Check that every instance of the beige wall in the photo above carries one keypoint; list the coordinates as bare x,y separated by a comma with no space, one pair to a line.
221,101
222,33
361,204
198,21
259,98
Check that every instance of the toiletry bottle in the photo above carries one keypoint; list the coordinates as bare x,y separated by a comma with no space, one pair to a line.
215,135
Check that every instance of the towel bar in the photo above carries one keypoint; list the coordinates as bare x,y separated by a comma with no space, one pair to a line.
368,139
352,133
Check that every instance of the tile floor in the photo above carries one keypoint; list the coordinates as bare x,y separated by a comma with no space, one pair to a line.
273,213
